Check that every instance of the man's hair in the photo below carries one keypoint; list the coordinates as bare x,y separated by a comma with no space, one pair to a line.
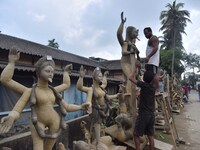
148,29
148,76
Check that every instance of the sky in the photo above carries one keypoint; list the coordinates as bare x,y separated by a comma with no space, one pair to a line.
88,27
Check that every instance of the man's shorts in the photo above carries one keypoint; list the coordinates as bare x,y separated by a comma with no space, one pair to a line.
151,68
144,125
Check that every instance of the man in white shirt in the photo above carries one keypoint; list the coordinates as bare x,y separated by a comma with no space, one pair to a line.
152,59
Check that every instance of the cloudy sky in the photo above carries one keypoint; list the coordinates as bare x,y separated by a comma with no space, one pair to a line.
88,27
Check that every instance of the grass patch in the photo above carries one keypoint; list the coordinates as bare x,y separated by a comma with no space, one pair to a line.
160,135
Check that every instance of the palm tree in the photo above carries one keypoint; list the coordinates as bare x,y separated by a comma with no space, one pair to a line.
53,44
192,61
173,20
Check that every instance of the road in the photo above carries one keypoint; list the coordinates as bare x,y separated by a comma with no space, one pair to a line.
188,123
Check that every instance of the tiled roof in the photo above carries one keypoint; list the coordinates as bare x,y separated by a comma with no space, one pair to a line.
112,64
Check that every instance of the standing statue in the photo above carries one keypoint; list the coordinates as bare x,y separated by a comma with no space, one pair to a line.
46,122
97,99
130,53
129,50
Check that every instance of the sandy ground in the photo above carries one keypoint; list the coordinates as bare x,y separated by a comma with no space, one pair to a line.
188,123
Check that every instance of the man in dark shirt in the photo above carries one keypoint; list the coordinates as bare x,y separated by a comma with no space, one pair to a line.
145,120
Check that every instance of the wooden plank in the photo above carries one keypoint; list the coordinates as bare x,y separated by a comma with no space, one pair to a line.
160,145
168,116
15,137
163,101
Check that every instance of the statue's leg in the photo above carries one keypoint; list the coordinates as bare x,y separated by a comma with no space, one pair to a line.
38,142
126,68
97,131
55,126
120,134
49,143
128,86
61,146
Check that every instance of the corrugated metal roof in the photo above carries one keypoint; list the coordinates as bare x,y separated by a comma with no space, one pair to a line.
112,65
31,48
20,68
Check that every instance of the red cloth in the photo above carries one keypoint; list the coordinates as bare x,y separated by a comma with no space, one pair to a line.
185,88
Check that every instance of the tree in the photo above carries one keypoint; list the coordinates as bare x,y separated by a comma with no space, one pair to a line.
173,20
192,61
53,44
165,63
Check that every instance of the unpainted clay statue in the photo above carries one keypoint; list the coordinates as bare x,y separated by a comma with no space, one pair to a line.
46,121
129,49
105,143
128,60
86,132
123,99
97,98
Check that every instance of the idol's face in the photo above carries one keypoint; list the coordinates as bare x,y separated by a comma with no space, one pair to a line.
134,33
47,73
99,77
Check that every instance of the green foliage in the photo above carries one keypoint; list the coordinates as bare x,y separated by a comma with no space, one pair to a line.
173,21
159,135
192,60
113,114
166,61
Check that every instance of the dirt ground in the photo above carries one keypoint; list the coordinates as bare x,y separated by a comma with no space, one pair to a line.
188,123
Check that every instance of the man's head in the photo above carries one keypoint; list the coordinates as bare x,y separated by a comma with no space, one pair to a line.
147,32
148,76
